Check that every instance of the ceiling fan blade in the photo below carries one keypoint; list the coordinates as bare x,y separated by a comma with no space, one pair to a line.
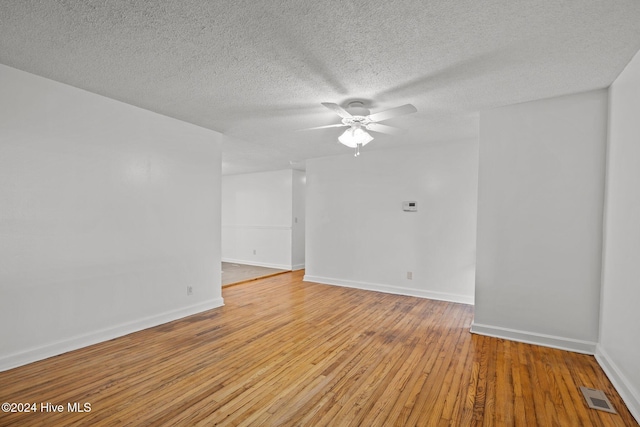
338,110
324,127
379,127
393,112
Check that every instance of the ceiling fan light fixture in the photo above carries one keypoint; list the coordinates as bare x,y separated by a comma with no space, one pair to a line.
358,118
354,137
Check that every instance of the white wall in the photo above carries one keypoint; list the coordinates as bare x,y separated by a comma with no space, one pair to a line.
619,348
357,234
298,227
540,203
108,212
257,216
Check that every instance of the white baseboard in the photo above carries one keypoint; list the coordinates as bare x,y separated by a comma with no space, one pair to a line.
561,343
53,349
258,264
623,386
297,267
441,296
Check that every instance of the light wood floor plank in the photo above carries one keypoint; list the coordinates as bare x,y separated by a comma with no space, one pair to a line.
283,352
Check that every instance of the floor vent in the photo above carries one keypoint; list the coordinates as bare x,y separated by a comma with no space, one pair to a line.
596,399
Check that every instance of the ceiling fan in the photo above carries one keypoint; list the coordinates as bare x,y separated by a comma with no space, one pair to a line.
359,120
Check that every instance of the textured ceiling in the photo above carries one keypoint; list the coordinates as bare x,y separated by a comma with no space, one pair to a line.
258,71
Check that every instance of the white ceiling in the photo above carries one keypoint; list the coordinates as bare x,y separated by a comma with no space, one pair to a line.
257,71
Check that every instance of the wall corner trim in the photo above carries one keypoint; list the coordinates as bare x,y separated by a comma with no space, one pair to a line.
623,386
561,343
419,293
15,360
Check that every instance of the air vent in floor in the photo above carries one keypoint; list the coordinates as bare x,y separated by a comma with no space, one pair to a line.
596,399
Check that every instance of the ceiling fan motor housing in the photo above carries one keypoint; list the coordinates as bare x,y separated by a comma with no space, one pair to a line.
359,121
359,115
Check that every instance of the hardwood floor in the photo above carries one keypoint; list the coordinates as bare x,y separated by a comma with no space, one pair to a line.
283,352
234,273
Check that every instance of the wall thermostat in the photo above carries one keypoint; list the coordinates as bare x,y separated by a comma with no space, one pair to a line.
410,206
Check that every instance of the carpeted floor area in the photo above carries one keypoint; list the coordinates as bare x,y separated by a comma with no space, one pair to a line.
233,273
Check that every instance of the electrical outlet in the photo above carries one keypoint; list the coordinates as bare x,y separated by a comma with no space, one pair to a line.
410,275
189,290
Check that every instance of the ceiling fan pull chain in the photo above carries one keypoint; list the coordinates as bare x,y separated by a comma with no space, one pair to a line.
357,150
